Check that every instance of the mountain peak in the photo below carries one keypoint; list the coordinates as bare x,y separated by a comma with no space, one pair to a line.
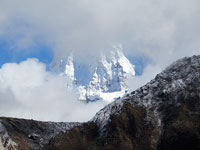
163,115
109,78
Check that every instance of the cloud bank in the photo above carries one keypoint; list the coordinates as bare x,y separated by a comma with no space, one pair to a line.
28,91
163,30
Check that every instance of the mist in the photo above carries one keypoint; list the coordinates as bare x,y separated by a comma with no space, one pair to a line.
164,30
161,30
28,91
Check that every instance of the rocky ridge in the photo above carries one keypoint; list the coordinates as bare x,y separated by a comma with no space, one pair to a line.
21,134
163,115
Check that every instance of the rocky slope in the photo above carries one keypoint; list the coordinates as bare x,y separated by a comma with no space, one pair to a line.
21,134
164,114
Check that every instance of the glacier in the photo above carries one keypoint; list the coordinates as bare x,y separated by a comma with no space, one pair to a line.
108,80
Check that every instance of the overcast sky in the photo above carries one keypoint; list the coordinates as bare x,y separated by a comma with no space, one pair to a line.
162,30
165,30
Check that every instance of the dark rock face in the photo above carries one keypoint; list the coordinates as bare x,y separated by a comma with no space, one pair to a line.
81,137
125,131
164,114
130,130
181,123
21,134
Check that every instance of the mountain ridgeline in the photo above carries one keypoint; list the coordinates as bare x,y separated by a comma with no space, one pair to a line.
22,134
164,114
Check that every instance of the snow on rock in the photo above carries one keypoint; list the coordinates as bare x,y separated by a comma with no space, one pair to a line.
103,116
173,80
81,92
109,78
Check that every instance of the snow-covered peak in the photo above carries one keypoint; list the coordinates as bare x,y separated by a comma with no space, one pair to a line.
110,74
113,71
117,57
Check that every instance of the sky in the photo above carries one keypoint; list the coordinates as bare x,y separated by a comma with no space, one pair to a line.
9,54
33,34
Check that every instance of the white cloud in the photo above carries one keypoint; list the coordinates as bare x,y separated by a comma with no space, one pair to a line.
28,91
149,73
164,30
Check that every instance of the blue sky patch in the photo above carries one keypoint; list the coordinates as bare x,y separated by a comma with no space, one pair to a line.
8,54
140,62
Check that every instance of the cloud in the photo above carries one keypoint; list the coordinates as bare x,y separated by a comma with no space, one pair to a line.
149,73
28,91
164,30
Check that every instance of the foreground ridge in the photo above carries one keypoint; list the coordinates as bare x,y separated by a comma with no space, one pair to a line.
163,114
22,134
